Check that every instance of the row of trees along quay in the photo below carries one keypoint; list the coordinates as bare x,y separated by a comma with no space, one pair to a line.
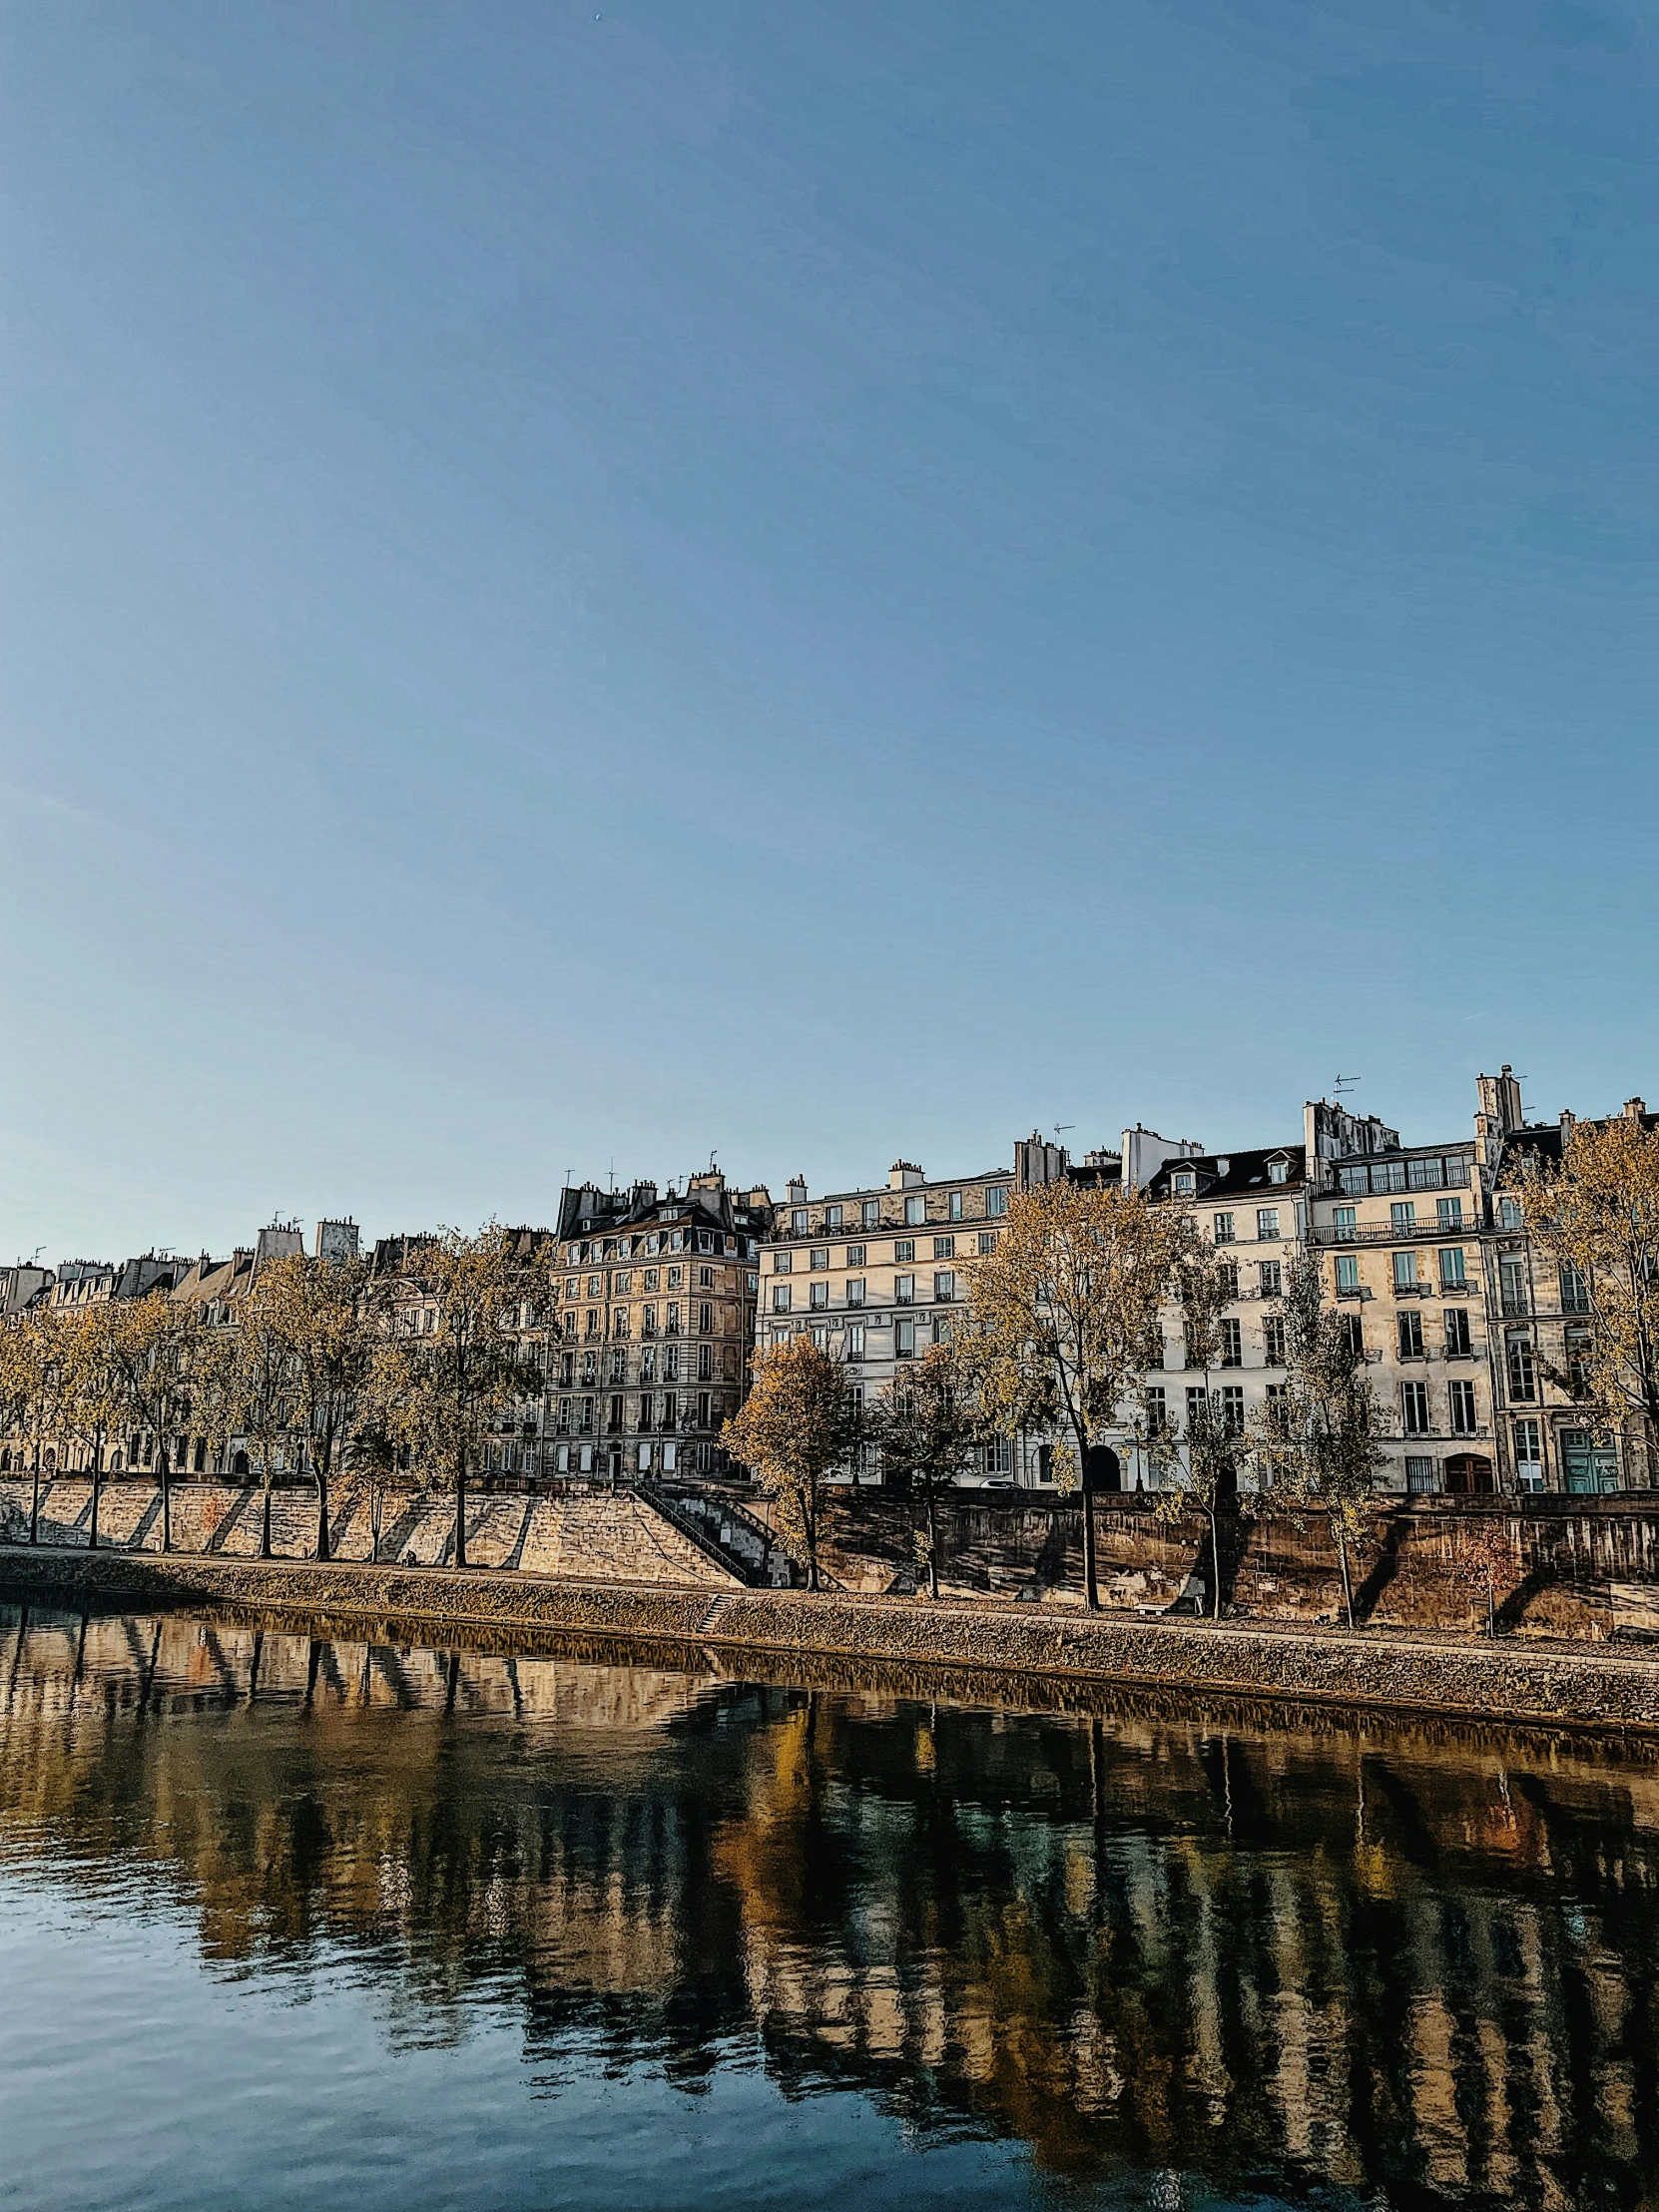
315,1370
319,1369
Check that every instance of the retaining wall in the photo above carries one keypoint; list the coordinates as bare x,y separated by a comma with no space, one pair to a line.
586,1532
1564,1566
1587,1688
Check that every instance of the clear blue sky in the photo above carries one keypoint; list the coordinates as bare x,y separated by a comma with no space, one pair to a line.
586,584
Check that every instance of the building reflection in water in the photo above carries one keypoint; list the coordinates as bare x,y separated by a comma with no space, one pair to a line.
1396,1960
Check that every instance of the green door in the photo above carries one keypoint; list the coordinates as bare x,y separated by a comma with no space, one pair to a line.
1587,1467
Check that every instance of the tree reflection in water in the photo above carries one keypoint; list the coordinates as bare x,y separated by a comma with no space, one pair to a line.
1394,1960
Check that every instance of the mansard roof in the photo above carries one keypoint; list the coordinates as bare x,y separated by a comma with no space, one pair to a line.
1547,1140
1235,1174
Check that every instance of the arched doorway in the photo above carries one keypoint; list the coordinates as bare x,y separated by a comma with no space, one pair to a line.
240,1465
1102,1469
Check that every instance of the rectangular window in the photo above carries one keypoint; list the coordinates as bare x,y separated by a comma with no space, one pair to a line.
1406,1270
1457,1344
1411,1336
855,1255
831,1217
1353,1336
996,1201
1389,1175
821,1338
856,1340
1413,1409
1449,1213
1267,1224
1529,1455
1273,1277
1423,1175
904,1339
1575,1291
1231,1409
1402,1217
820,1295
987,1243
613,1421
671,1364
944,1286
1224,1229
1228,1275
1579,1357
1509,1214
673,1324
1348,1275
1353,1182
905,1247
1157,1410
819,1257
1452,1277
1523,1382
705,1362
915,1212
1232,1349
781,1262
1195,1398
1343,1223
1420,1476
998,1455
1512,1278
1462,1398
869,1213
797,1221
905,1290
855,1290
955,1206
780,1299
1273,1339
944,1248
619,1322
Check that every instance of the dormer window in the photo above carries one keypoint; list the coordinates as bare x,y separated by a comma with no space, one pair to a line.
1279,1171
1184,1185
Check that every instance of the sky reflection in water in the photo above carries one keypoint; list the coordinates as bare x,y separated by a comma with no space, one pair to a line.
409,1929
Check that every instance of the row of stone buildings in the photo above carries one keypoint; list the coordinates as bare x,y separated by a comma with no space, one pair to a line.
657,1301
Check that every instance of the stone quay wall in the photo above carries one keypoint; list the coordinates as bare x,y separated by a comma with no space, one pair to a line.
1598,1689
585,1530
1582,1568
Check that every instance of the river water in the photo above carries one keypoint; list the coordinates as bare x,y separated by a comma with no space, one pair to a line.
293,1922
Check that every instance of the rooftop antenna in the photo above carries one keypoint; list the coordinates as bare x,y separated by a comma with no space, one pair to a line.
1061,1126
1344,1083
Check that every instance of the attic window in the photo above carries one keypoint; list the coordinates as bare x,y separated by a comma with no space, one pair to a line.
1279,1171
1185,1184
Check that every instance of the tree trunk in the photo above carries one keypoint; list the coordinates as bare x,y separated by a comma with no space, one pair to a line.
167,1503
1347,1575
933,1546
34,1502
1091,1587
460,1510
1215,1564
264,1523
322,1479
97,1495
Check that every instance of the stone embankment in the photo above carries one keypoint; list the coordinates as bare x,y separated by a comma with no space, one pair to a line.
585,1530
1586,1689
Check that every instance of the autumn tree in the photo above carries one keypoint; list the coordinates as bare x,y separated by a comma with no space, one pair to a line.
439,1394
799,1423
245,1388
33,1358
1597,1217
313,1311
150,1345
94,1390
927,1430
1202,1469
1061,1318
1319,1440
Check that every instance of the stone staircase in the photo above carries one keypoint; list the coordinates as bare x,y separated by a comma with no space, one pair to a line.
723,1530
